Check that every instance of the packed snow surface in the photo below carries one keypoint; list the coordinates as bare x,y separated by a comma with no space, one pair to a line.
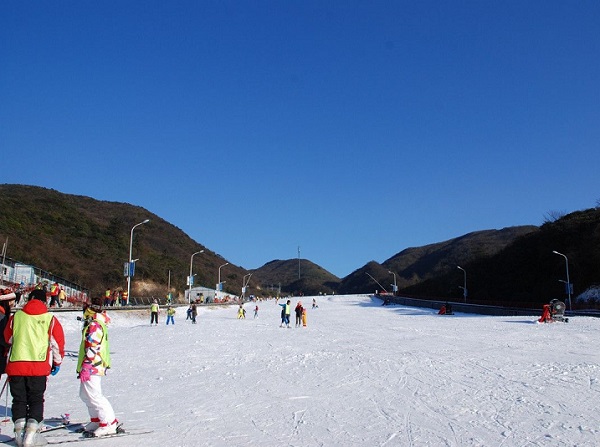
360,374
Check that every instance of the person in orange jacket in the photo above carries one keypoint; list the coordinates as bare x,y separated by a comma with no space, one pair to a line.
37,349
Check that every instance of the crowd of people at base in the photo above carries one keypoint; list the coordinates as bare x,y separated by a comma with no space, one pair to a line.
55,295
32,344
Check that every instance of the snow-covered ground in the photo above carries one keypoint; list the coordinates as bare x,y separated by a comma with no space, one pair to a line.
359,375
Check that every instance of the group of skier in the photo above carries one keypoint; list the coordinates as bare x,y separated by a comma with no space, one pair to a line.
192,313
300,313
33,346
286,310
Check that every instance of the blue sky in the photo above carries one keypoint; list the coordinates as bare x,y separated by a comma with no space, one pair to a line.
353,129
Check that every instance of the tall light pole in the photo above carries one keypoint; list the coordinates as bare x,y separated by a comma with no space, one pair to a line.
245,284
395,286
130,261
464,284
190,278
227,263
568,281
298,262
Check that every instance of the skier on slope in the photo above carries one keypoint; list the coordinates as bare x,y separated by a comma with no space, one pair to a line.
37,349
93,362
171,315
299,309
285,314
154,309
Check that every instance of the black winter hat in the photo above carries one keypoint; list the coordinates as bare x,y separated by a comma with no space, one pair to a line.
96,304
38,294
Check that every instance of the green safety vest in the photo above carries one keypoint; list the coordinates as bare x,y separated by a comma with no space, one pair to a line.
104,348
31,337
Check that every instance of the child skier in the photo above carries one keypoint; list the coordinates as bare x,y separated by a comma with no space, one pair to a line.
194,313
241,312
93,362
256,311
170,315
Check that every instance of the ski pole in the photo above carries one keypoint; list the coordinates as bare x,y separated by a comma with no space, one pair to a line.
6,405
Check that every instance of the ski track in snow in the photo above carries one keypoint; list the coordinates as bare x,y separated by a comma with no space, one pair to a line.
359,375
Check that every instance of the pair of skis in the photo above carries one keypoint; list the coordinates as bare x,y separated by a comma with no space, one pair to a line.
75,432
89,436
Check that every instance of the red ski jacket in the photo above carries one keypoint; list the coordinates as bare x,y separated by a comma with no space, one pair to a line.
56,343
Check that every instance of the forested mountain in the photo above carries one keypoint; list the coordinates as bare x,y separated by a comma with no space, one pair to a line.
415,265
87,241
527,272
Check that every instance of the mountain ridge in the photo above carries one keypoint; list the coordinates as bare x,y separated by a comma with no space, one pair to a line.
87,240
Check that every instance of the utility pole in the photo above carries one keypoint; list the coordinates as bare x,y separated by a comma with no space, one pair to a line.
298,262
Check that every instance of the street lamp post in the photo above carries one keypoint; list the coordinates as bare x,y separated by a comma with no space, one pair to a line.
568,281
219,284
464,284
245,284
130,261
395,286
190,280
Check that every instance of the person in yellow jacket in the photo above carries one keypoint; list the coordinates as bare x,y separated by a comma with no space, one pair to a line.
154,309
93,363
62,297
54,292
170,315
241,312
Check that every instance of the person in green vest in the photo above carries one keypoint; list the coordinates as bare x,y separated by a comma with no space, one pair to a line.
154,309
93,363
37,349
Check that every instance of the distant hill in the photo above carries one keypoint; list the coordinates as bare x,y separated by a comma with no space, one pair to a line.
415,265
527,272
313,279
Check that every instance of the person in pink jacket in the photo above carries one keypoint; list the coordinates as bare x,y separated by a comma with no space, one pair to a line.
93,363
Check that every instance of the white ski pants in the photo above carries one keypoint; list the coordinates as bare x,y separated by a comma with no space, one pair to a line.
99,407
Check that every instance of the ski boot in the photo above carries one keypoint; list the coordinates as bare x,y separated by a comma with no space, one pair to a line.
33,438
19,431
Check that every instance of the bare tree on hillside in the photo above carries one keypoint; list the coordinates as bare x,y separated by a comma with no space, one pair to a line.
553,216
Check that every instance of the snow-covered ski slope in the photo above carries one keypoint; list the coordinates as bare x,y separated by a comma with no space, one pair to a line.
359,375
